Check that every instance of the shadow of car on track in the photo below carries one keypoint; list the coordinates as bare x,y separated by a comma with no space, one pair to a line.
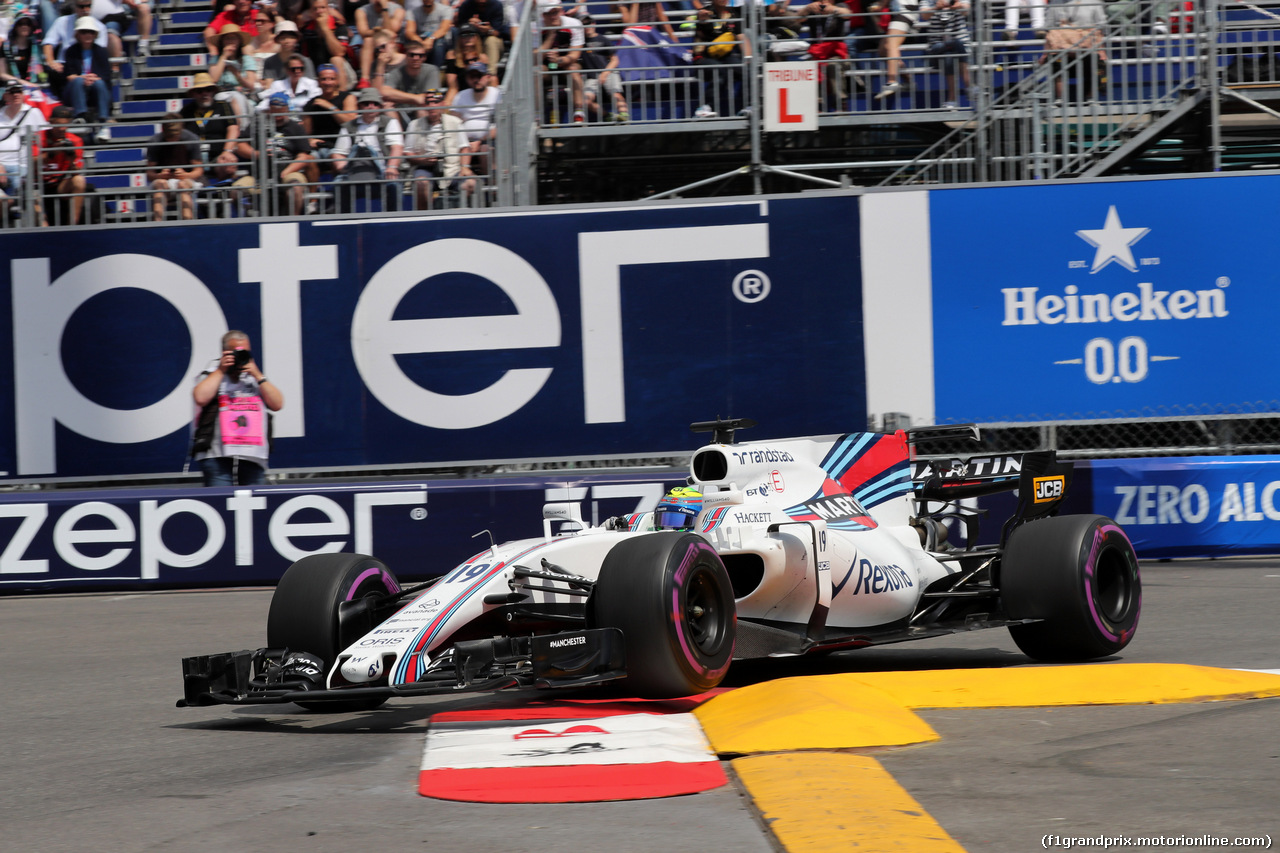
407,715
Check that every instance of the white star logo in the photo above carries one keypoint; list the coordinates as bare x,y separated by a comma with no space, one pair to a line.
1112,241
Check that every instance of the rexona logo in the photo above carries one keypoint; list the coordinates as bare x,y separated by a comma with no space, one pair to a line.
1048,488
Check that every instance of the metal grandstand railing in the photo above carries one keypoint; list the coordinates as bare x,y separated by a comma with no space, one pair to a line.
1076,107
1020,119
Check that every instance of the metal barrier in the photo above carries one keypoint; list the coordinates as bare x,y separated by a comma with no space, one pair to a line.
277,168
1076,105
1017,112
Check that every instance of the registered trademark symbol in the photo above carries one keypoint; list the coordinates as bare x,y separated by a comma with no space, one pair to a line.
1222,281
751,286
418,513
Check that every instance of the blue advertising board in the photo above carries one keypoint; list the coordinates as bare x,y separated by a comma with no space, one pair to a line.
1194,507
182,537
1105,300
436,339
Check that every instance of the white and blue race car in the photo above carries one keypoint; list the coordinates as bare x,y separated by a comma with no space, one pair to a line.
777,548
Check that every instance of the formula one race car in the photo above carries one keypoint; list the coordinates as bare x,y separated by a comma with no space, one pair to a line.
777,548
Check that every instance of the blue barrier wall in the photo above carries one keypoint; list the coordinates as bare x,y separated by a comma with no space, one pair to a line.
126,539
1210,506
436,339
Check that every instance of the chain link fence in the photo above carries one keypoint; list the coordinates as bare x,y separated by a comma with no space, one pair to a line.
1252,430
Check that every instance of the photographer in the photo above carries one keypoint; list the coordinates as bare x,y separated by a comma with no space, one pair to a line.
231,436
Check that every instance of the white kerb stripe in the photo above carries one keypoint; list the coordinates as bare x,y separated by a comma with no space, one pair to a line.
626,739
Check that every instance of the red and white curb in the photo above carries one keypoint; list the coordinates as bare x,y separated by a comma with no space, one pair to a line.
576,760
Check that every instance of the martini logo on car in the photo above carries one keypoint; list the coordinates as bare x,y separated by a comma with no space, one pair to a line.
835,507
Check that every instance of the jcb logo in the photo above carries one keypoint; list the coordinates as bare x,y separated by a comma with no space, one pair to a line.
1049,488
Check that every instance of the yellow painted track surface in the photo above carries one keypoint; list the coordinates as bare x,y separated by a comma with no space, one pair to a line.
830,801
816,800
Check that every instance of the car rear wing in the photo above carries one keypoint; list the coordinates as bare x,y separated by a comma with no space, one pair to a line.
1041,479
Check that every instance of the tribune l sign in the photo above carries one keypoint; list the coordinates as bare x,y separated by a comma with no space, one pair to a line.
790,96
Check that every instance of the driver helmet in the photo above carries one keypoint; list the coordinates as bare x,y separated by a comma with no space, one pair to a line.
678,509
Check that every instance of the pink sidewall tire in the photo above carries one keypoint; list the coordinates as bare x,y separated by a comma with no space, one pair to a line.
1078,574
304,611
670,595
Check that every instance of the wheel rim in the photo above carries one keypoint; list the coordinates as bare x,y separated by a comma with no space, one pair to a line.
704,612
1112,586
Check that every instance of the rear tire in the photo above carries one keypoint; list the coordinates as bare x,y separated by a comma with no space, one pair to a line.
1077,573
304,611
670,595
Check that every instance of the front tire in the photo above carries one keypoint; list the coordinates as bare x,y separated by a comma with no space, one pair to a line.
304,611
670,595
1079,575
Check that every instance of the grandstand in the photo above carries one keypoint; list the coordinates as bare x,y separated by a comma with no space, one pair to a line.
1193,91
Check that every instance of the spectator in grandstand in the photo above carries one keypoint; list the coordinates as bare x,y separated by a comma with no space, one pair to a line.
367,154
1076,28
18,50
325,114
19,126
213,121
1035,10
433,145
475,106
174,168
263,45
377,18
235,71
240,14
720,41
274,67
947,25
646,13
387,55
407,84
60,158
61,36
88,77
903,15
289,150
232,434
828,25
490,23
322,29
602,80
430,24
561,53
465,53
118,16
296,86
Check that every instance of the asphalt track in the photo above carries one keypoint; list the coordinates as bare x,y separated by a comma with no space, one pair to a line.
94,756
